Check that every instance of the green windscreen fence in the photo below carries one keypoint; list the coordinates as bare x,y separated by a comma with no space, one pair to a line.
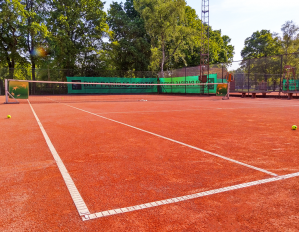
189,88
18,90
90,88
293,85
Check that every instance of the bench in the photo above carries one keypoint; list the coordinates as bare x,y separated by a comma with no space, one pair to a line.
253,93
290,93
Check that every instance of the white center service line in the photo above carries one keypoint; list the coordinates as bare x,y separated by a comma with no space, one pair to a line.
78,200
175,141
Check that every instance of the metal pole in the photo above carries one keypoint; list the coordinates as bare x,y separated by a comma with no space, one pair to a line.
248,77
208,47
280,84
6,91
204,56
222,73
185,81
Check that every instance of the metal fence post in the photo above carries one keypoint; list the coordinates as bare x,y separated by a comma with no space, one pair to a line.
185,81
280,84
248,75
222,73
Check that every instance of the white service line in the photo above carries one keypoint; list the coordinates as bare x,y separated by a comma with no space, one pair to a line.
78,200
163,111
184,198
195,109
175,141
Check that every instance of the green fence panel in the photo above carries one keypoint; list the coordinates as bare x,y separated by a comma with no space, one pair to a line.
102,89
189,88
292,86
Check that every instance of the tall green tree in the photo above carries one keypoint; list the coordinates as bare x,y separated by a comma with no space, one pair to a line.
76,32
176,35
220,50
290,44
290,37
129,42
12,19
165,22
34,30
261,44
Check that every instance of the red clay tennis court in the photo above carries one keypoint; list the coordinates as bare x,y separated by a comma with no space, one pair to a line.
150,163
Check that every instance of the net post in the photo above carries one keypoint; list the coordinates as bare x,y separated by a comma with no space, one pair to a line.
6,91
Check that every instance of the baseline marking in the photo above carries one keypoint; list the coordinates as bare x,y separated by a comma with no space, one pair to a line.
175,141
78,200
185,198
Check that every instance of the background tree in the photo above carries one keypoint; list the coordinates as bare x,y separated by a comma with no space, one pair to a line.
144,34
12,18
290,37
165,22
33,31
129,42
261,44
178,43
76,32
290,43
221,51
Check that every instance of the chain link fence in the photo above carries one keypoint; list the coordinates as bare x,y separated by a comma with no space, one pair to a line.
275,74
264,75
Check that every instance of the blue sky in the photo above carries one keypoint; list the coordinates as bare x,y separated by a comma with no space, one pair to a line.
240,18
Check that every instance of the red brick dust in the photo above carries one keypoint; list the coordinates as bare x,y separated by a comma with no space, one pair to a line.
115,166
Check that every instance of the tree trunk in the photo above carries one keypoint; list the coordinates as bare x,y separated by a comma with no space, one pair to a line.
1,87
11,70
33,75
163,58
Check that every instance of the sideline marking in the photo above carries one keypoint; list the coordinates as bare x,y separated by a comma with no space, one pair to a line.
186,197
78,200
175,141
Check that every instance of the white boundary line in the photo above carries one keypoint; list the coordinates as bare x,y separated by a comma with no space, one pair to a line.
185,198
165,111
80,204
78,200
175,141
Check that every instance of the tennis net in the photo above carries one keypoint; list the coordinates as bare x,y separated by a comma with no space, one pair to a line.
125,89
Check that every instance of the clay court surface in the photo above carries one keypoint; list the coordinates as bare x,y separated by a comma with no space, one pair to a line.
171,163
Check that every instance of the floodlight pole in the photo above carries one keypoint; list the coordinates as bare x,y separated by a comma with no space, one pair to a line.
205,39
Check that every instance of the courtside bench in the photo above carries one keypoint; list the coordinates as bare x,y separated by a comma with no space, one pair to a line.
290,93
253,93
